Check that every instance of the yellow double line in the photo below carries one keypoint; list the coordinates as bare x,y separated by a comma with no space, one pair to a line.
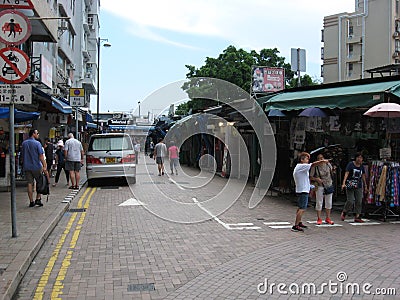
59,285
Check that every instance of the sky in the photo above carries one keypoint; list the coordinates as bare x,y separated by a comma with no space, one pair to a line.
152,41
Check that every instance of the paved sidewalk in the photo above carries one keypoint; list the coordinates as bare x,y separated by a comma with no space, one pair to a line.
34,225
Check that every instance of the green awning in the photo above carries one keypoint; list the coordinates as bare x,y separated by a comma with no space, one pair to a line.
362,95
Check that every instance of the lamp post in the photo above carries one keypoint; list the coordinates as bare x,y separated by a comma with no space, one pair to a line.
106,44
139,108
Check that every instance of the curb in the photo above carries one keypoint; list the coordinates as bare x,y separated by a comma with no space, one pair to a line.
16,271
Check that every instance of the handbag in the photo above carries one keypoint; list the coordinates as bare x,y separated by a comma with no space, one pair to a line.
351,184
43,185
327,189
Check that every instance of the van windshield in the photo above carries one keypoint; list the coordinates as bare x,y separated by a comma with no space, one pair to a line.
115,143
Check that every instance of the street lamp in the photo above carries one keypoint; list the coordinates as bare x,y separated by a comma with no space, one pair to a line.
107,45
139,108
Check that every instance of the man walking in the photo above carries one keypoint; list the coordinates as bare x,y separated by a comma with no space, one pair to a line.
33,163
73,153
48,151
160,152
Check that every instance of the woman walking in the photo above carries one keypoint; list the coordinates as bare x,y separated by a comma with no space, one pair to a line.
60,161
322,176
355,183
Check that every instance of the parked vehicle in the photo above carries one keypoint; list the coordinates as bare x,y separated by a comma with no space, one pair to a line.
110,155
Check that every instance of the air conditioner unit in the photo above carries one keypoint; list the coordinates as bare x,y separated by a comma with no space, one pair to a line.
396,54
56,91
72,66
63,25
396,34
68,82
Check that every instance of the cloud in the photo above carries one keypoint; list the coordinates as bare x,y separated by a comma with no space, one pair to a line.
254,24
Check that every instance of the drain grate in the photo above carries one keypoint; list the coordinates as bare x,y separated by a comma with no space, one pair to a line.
110,187
77,209
141,287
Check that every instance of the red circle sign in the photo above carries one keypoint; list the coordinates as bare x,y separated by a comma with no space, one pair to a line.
15,27
14,65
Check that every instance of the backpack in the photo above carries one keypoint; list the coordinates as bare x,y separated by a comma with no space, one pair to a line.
43,185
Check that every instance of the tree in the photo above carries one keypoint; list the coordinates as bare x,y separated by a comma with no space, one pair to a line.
305,80
233,65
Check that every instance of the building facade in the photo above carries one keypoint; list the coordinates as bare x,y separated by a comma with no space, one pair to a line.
361,40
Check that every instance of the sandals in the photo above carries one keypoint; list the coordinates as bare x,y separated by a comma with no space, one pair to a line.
74,187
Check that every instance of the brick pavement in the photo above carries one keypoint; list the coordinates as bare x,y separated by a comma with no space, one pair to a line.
124,250
34,225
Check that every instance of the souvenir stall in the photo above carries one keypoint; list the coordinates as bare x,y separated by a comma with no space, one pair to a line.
384,176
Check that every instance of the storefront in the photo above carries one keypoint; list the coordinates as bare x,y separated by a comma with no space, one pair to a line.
341,130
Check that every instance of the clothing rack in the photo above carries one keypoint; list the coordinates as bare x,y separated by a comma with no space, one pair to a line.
384,188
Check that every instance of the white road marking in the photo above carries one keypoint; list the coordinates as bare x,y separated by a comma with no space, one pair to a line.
177,184
329,225
276,223
352,220
130,202
238,226
366,223
395,222
280,226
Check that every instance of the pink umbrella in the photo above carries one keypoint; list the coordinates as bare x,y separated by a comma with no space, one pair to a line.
384,110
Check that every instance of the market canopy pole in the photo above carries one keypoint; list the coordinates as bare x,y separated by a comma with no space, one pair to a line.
12,167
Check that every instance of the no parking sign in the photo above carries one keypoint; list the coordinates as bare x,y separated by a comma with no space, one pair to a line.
14,64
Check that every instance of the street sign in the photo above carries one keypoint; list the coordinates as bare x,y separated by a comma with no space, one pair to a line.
17,93
14,64
17,4
15,27
77,97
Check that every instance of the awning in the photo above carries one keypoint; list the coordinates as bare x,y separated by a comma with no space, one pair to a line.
56,103
19,115
361,95
91,125
61,106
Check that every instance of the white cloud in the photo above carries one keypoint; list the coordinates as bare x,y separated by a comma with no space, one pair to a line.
253,24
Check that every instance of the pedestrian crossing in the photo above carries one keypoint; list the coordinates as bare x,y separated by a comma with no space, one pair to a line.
310,223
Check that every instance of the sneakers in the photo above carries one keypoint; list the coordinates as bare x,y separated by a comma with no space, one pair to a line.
358,220
343,216
319,221
38,202
31,204
297,228
329,221
301,225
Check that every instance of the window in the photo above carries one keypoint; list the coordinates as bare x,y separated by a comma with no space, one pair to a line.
322,52
350,50
397,45
322,35
322,70
350,29
350,70
116,143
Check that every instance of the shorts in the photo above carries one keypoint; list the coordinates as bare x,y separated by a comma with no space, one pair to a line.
32,175
159,160
73,166
302,200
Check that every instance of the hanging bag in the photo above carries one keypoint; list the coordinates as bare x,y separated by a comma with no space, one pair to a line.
327,189
43,185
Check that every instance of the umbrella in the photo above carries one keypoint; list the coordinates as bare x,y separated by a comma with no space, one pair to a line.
384,110
313,112
276,113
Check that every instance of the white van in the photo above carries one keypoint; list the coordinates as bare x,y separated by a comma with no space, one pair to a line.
110,155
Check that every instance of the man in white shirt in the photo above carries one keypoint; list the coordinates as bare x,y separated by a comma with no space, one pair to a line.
74,154
301,175
160,152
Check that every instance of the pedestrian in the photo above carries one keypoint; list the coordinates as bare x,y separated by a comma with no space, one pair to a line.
160,152
322,176
74,154
48,150
137,151
34,164
60,161
173,153
354,173
301,175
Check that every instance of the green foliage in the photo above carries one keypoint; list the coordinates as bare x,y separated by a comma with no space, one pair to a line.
233,65
305,80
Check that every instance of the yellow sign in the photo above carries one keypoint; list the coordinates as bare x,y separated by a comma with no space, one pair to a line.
76,92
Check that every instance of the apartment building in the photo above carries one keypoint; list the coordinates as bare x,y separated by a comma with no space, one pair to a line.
62,50
356,42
